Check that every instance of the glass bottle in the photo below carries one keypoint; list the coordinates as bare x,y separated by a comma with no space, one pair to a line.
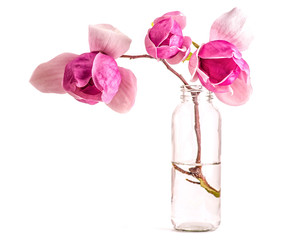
196,166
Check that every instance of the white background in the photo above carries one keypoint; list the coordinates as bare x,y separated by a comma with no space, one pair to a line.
74,171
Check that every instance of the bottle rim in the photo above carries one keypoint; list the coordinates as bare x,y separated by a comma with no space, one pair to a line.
192,88
189,90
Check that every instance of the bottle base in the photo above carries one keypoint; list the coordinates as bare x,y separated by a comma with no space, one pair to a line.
195,227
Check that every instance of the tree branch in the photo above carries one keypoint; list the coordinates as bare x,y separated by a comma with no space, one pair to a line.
196,172
137,56
197,125
163,61
174,72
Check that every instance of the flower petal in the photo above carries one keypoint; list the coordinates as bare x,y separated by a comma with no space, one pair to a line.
106,76
218,49
241,91
48,77
160,31
183,52
165,52
107,39
243,66
176,15
86,98
205,81
229,27
220,70
78,71
124,99
193,65
150,47
77,79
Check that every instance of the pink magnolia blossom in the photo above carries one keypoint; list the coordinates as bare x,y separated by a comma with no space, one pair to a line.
92,77
165,39
219,65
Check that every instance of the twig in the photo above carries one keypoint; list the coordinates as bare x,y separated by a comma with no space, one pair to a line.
174,71
196,172
137,56
163,61
192,181
197,125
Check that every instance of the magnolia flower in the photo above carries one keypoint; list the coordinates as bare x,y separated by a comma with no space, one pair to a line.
165,39
219,65
92,77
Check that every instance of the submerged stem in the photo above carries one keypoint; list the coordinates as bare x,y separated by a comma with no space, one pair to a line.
196,172
209,188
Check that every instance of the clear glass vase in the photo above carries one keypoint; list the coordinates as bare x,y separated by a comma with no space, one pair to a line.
196,166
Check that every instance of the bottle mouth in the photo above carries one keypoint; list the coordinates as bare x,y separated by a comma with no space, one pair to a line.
191,91
191,88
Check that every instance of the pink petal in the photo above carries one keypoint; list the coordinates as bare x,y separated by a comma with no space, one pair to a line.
243,66
176,15
233,75
106,76
78,81
150,47
88,94
193,65
86,98
218,49
125,97
177,30
165,52
48,77
221,71
241,91
161,31
205,81
183,52
78,71
229,27
107,39
174,40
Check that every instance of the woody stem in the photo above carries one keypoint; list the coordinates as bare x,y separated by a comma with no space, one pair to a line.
137,56
197,125
162,60
196,171
175,72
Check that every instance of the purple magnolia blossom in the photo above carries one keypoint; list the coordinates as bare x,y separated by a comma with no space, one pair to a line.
92,77
219,65
165,39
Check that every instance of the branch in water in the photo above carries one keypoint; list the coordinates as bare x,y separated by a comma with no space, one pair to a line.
192,181
196,172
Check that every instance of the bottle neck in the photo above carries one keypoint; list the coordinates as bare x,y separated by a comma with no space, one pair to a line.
195,93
